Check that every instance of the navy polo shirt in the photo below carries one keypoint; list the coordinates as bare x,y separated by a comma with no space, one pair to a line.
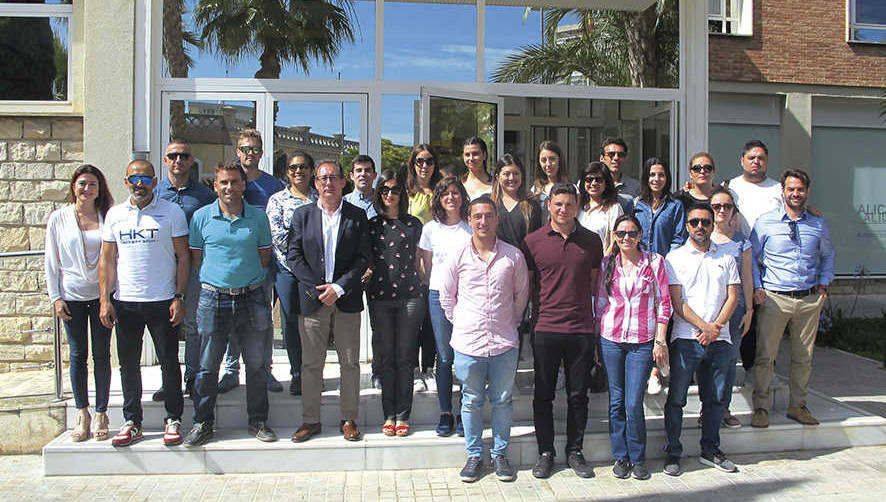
189,198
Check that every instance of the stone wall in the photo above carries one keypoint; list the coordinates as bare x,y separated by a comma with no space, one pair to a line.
37,157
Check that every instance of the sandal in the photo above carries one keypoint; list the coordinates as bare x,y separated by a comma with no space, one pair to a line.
388,428
81,431
402,429
101,426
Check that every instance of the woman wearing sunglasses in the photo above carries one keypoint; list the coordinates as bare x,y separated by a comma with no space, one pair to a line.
599,203
701,180
633,306
727,238
397,301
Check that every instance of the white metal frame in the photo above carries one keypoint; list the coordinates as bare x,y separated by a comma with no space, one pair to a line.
851,7
740,17
498,101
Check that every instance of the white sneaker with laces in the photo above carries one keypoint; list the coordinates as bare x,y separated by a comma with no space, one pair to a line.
653,387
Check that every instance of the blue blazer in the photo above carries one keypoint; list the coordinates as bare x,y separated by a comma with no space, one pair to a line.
305,256
664,230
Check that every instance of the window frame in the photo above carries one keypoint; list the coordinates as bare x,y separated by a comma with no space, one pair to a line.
852,26
742,21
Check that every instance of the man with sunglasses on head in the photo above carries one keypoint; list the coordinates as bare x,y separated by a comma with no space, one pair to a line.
259,188
704,287
145,254
614,153
794,264
179,188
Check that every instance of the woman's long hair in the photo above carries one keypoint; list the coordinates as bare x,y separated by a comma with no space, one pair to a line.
378,202
645,190
437,201
104,201
412,185
522,193
609,268
541,178
609,195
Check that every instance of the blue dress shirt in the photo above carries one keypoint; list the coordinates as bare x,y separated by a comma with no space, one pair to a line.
365,203
663,230
189,198
789,259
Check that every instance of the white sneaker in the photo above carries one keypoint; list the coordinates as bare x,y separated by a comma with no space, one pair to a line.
653,387
430,381
561,379
418,382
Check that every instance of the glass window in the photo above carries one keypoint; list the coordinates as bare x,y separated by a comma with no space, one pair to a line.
730,17
322,129
430,42
454,120
400,123
868,21
35,50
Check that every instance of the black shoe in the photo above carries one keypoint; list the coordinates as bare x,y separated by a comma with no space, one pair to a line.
445,426
672,466
503,469
544,465
273,384
199,434
159,396
717,459
641,472
262,432
577,462
189,388
471,471
459,427
376,382
295,386
622,469
228,382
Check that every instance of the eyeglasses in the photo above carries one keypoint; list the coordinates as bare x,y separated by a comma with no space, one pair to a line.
173,156
594,179
697,168
795,235
133,179
633,234
328,178
694,222
384,190
429,161
296,167
246,150
722,207
615,153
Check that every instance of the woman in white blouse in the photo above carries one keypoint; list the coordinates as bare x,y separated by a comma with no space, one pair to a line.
73,245
599,203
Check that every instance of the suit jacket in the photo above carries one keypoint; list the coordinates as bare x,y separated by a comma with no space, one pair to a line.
305,256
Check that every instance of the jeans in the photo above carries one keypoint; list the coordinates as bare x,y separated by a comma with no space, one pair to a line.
711,366
627,366
220,318
395,325
442,335
735,336
189,325
85,313
474,373
576,352
286,287
232,354
132,318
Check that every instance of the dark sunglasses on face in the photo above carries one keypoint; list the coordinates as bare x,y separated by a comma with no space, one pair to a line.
594,179
426,161
633,234
173,156
246,150
135,178
694,222
614,154
697,168
721,207
384,190
296,167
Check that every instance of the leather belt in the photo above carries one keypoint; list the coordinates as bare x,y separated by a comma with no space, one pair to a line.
802,293
231,291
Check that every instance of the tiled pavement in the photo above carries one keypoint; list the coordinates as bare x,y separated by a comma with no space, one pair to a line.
852,474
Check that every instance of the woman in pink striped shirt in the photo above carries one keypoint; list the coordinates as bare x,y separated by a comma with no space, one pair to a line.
633,307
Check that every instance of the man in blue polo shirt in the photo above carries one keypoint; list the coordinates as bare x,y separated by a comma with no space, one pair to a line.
230,245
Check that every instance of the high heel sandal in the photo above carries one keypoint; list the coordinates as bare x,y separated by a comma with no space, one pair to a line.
82,431
402,429
101,426
388,428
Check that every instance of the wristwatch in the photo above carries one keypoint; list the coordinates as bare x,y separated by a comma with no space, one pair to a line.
179,296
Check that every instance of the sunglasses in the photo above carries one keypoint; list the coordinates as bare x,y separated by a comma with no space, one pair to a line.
426,161
795,235
173,156
296,167
594,179
697,168
615,154
722,207
694,222
135,178
246,150
633,234
384,190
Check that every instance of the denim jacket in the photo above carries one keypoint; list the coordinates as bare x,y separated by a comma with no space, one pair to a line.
663,230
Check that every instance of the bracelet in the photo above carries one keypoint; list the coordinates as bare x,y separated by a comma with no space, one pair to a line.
660,343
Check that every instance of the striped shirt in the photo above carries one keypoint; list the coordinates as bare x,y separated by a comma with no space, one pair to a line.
637,302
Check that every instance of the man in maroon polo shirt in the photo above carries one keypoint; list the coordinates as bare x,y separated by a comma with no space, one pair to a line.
566,258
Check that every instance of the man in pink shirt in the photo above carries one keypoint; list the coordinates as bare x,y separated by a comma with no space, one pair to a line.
485,290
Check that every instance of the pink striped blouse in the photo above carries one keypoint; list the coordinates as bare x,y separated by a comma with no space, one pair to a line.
637,302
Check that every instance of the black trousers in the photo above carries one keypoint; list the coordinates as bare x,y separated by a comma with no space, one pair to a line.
395,327
748,347
576,352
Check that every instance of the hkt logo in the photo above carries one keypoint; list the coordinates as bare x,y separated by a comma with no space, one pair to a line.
138,235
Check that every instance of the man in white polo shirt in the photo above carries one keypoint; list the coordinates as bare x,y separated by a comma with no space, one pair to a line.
704,287
145,254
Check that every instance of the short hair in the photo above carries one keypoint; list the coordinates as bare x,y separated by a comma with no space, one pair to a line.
334,162
437,200
363,159
230,166
483,199
704,206
178,141
142,162
377,201
104,200
610,193
700,155
795,173
561,188
754,143
613,141
308,159
250,134
645,190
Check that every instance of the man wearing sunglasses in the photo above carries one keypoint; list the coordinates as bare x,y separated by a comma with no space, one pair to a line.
180,188
704,287
614,153
794,261
145,253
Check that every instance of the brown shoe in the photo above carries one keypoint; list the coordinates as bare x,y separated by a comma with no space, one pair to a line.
305,432
350,431
760,418
802,415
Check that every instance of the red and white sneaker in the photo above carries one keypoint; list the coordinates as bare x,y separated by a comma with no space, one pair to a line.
128,434
172,436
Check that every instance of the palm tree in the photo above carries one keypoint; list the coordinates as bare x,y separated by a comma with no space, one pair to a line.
277,31
608,47
178,61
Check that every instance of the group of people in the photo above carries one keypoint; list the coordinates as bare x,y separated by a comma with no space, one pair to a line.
613,270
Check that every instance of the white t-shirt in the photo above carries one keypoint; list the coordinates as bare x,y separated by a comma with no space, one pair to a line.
705,278
146,264
442,240
601,222
754,199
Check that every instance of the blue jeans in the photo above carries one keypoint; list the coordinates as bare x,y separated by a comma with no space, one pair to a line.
711,364
82,314
735,335
189,325
442,335
232,353
474,373
627,366
286,286
245,318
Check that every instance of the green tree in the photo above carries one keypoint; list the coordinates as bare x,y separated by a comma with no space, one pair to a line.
178,60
